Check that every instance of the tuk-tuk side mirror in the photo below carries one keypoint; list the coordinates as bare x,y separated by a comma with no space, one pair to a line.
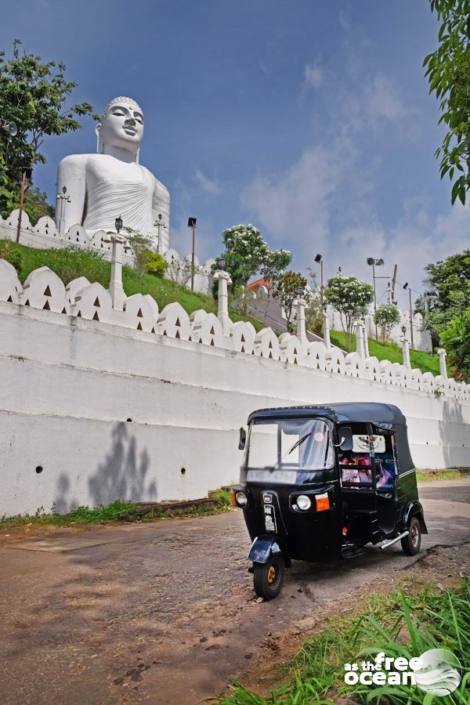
242,439
346,438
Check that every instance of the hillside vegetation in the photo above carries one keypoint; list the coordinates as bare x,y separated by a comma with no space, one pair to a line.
426,362
71,263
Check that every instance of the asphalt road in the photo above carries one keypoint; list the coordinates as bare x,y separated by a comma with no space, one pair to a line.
165,612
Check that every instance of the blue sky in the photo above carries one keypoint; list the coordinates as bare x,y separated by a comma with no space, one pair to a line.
310,119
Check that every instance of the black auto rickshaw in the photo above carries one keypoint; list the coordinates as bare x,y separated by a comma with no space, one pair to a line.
319,482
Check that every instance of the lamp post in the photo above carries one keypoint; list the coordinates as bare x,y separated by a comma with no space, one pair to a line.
373,262
192,224
160,226
224,280
9,127
406,286
63,198
319,260
116,289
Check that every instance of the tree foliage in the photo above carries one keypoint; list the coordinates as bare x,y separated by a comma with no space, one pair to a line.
448,72
246,253
455,337
386,317
34,96
287,288
446,307
350,297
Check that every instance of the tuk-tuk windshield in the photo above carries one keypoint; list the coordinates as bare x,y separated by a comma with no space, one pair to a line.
290,444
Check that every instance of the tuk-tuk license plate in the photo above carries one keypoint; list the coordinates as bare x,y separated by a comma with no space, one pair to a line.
270,518
281,477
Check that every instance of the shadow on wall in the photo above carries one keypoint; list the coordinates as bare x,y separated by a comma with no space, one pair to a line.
122,475
452,414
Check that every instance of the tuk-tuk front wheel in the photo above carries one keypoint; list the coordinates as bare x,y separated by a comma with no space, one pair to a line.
411,544
268,577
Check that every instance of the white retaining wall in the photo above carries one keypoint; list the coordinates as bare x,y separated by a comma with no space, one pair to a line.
97,404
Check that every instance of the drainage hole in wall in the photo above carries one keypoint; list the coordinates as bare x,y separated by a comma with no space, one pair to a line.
39,469
129,420
183,471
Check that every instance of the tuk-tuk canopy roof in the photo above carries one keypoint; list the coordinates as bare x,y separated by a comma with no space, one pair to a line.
386,415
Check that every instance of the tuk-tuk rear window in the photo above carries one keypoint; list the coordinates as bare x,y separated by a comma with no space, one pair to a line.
294,444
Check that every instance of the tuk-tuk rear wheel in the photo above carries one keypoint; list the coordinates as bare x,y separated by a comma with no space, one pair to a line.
411,544
268,577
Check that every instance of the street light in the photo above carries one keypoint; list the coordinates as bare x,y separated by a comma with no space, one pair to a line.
192,222
160,226
319,260
406,286
118,224
9,127
372,262
63,198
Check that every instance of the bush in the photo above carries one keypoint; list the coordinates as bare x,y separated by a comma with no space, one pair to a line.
11,254
154,263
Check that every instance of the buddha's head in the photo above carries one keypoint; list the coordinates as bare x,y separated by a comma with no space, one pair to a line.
122,126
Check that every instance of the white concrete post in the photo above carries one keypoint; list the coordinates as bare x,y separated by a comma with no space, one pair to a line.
360,347
442,362
223,279
405,347
326,331
116,289
366,338
300,320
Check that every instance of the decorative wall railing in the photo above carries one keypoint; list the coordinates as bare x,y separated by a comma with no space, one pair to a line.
44,290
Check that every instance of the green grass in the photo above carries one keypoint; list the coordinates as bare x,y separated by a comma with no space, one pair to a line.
388,351
70,263
428,475
118,511
81,515
397,624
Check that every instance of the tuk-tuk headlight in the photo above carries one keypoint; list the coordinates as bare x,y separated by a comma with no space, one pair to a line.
241,499
303,502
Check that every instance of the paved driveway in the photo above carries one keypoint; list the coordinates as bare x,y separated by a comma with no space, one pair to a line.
164,613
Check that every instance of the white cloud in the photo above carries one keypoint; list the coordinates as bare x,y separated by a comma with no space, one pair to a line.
313,75
206,184
383,100
295,206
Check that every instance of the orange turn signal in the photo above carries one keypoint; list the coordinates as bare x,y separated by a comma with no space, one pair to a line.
322,502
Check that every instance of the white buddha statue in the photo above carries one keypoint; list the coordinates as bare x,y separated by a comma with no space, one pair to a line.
100,187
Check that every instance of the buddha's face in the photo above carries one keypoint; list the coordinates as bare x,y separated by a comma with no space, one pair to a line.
123,126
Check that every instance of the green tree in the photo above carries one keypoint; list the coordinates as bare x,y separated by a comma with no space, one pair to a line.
455,337
448,72
350,297
386,317
34,96
246,253
447,292
446,308
287,288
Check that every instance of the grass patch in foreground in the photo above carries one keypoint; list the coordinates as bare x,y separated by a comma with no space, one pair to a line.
428,475
120,511
398,625
388,351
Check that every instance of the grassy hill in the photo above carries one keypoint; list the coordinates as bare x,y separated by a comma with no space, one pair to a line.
71,263
426,362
